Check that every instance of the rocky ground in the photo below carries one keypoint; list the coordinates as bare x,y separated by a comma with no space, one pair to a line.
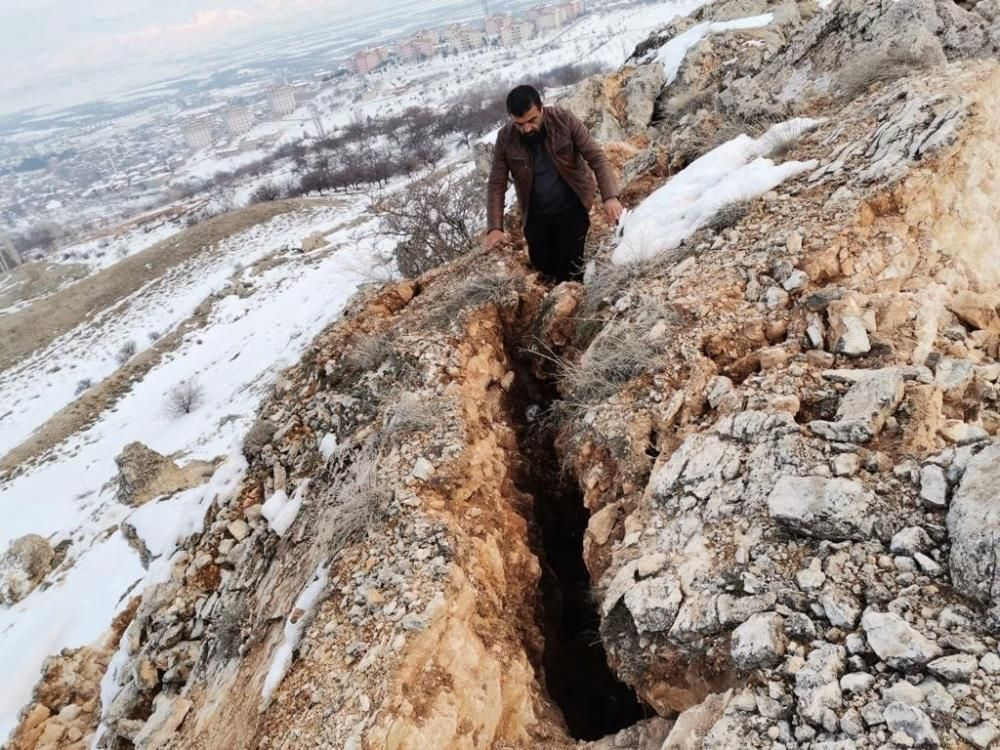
743,494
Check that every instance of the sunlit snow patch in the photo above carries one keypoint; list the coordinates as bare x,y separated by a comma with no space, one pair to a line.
735,171
672,54
295,625
281,510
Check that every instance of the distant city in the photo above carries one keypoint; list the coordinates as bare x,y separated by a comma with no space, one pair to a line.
118,156
502,28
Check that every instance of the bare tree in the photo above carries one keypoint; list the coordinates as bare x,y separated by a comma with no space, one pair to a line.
184,398
265,193
435,220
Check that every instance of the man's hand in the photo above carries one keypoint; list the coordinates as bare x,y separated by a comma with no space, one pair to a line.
613,210
493,238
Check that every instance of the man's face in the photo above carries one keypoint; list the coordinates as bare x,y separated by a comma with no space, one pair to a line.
530,123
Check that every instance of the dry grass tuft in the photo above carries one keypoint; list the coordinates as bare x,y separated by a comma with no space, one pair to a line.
881,67
781,139
359,497
411,414
615,357
729,214
498,289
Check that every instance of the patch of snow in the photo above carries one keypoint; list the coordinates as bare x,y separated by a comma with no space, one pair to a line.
281,510
74,611
735,171
671,55
328,445
163,525
245,343
302,613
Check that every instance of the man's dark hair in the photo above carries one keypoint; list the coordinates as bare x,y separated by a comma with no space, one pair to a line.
523,98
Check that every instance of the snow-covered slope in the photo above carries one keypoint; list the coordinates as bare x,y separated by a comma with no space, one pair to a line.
233,357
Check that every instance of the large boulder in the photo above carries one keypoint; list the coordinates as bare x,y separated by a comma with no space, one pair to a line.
823,508
144,474
974,526
23,566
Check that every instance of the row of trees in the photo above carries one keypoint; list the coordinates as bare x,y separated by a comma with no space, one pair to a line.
372,151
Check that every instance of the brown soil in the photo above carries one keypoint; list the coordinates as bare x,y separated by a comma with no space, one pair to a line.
36,280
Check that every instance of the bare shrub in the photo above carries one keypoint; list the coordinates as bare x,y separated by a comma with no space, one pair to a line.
616,356
153,336
497,289
881,67
184,398
265,193
83,385
126,352
434,220
360,498
729,215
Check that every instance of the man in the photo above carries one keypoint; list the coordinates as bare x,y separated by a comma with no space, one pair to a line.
553,161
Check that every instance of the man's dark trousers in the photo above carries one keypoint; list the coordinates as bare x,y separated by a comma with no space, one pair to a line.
555,242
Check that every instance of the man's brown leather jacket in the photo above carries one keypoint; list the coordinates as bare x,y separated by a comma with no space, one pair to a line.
576,156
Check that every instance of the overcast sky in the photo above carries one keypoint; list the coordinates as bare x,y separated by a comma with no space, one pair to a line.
43,42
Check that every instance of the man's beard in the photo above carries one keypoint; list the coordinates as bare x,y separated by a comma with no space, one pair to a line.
533,138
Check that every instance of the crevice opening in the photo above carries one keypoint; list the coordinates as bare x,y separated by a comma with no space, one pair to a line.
593,701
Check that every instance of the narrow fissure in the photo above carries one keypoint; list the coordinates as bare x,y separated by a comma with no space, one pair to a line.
594,703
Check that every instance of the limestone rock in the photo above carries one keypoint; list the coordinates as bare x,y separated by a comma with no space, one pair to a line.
168,713
654,603
849,336
864,408
977,310
954,668
26,562
974,527
144,474
981,736
588,102
823,508
896,642
640,93
695,723
817,687
933,486
910,540
758,642
914,723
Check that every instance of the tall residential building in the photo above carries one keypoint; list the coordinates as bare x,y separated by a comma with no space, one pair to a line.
282,100
496,24
549,17
238,120
463,38
517,33
199,132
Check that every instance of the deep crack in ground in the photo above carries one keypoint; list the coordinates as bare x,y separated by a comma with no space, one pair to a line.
593,701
